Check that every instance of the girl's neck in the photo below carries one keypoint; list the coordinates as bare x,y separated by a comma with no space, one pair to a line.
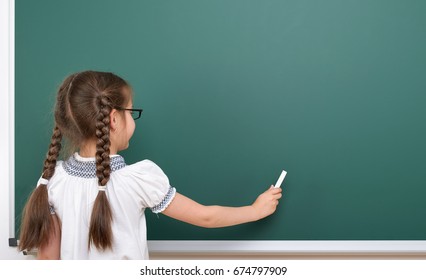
88,149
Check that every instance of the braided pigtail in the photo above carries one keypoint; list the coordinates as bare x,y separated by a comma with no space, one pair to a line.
37,221
100,232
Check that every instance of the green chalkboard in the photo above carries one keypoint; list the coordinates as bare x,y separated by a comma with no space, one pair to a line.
234,91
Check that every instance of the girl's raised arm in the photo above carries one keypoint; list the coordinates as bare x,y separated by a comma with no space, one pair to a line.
185,209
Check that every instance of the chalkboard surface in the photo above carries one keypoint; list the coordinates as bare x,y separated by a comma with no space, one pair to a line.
233,92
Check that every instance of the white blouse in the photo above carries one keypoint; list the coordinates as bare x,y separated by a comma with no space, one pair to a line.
131,188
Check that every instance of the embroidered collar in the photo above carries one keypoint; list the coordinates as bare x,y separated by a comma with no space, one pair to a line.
86,167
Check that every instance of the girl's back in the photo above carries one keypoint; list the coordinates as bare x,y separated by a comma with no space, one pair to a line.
131,188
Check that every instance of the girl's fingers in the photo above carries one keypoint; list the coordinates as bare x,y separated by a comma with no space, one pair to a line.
278,196
275,190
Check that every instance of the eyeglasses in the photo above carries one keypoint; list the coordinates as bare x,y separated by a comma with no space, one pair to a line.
136,113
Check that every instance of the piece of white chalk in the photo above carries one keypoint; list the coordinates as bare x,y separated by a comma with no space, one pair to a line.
280,179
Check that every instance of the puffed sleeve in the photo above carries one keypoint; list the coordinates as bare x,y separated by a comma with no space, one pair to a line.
151,185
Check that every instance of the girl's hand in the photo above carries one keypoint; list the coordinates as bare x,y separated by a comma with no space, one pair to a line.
267,202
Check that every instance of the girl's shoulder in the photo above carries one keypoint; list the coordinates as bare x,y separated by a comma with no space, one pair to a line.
145,166
145,171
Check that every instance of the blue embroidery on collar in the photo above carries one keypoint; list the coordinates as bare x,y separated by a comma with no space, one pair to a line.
87,169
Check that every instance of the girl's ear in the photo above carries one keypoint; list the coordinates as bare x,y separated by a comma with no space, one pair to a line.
113,119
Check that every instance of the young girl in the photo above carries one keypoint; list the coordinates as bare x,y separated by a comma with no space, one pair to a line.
91,206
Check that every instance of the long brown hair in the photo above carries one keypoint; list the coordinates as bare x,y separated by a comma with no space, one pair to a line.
82,112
